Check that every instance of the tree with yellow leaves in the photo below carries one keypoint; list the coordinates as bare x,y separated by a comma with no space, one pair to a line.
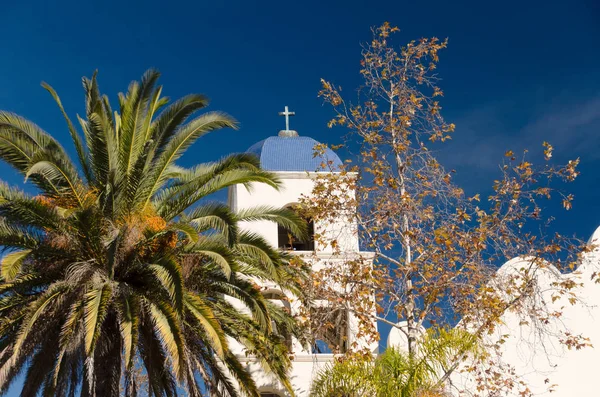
436,250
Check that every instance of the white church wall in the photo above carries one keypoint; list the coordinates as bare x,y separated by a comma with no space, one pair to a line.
305,364
398,336
541,361
304,370
294,185
262,194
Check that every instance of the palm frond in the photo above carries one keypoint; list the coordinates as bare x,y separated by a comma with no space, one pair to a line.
108,359
23,282
167,122
207,321
168,271
168,329
16,236
36,309
95,307
248,293
269,350
81,154
155,103
18,208
285,217
100,133
190,232
172,201
41,366
395,372
133,113
97,143
206,171
32,136
155,360
59,172
103,269
217,253
214,216
257,251
68,332
20,141
128,308
183,139
351,378
10,266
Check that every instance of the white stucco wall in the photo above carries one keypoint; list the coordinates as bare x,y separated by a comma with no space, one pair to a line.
295,184
540,360
305,368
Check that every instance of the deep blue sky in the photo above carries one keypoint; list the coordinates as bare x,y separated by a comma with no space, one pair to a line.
516,73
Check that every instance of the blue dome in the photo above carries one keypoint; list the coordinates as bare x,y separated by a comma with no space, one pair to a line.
296,153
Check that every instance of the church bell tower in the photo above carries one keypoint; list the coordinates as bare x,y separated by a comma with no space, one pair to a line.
292,158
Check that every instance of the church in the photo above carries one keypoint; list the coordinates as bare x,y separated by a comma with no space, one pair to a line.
292,157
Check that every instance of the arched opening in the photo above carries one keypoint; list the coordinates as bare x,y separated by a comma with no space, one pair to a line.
330,330
278,298
288,242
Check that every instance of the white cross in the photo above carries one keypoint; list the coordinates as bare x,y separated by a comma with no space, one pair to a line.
287,115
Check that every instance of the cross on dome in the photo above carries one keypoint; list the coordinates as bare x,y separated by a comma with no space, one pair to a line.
287,132
287,115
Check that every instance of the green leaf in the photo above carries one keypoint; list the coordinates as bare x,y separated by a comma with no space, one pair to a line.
36,309
167,327
285,217
185,136
133,115
173,201
128,324
219,254
11,264
187,229
206,318
57,173
94,310
169,273
74,135
167,122
69,329
214,216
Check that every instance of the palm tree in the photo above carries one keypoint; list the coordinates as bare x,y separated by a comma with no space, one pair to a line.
396,373
114,263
